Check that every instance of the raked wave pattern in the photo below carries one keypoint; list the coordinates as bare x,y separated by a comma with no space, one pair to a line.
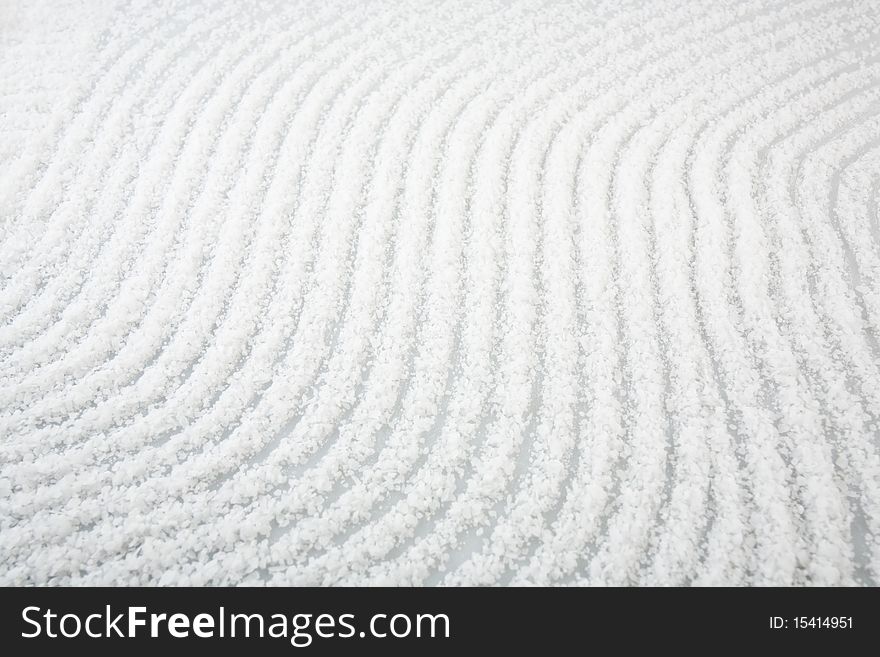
441,292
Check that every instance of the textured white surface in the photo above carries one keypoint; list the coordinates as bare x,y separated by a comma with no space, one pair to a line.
439,292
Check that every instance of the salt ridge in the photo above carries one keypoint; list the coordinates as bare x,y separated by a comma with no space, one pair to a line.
440,293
